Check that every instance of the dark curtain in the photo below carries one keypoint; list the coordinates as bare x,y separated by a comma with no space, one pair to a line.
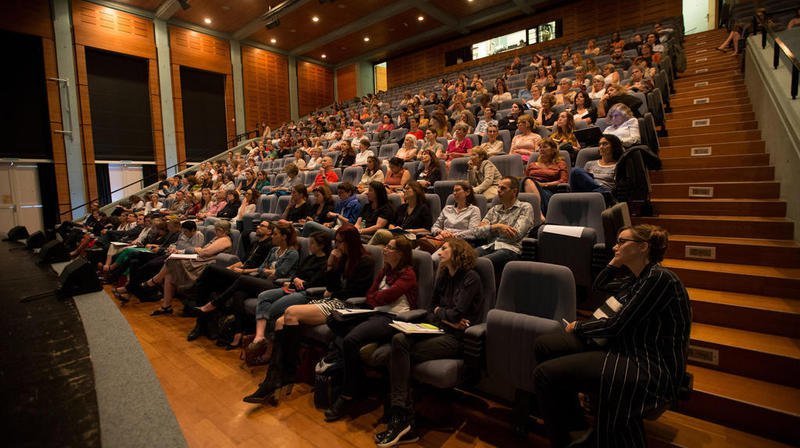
149,174
203,113
49,194
24,117
119,96
103,183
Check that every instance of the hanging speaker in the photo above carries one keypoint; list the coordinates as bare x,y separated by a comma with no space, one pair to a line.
78,277
17,233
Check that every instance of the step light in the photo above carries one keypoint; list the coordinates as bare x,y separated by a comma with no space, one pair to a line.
700,151
701,192
704,355
701,252
701,122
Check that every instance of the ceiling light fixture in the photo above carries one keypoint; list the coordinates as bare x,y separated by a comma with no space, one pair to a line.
184,4
420,18
315,19
207,21
273,41
324,56
366,38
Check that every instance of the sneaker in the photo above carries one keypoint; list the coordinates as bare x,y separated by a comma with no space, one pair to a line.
400,431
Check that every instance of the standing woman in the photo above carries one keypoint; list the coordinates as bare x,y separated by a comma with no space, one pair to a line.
393,291
347,275
457,303
546,173
633,358
526,142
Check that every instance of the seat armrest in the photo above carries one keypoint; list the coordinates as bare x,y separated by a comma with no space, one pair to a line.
225,260
474,351
357,302
415,315
280,281
530,247
563,188
315,292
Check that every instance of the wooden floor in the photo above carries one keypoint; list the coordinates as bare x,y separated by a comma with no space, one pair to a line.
205,385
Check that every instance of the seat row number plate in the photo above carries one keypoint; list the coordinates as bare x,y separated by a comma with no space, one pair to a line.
700,70
701,122
705,100
701,84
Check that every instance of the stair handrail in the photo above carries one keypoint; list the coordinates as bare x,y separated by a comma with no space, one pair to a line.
153,186
779,47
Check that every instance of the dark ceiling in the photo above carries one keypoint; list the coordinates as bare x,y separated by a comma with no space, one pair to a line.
343,26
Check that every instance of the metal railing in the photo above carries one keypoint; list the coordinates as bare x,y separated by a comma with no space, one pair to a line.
153,186
779,47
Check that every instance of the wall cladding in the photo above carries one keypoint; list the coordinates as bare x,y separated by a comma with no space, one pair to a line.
266,87
346,82
580,20
314,86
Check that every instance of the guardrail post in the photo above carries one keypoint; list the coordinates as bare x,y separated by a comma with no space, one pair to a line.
776,55
795,79
763,38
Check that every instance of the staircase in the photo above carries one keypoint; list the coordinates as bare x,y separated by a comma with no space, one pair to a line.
733,247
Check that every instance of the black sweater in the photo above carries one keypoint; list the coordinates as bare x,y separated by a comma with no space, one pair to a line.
356,285
458,297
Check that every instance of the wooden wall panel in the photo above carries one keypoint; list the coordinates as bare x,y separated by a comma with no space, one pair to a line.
230,114
314,86
87,140
177,101
346,82
266,87
108,29
26,17
197,50
587,18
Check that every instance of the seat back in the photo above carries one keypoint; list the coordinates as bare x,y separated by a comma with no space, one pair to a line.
480,202
443,188
578,209
302,243
434,204
459,169
423,267
476,140
505,136
236,247
485,270
388,151
509,165
352,174
377,258
585,155
281,204
570,246
412,168
537,289
264,204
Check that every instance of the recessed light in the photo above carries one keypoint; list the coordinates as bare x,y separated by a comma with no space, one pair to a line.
207,21
366,38
315,19
420,18
324,56
273,40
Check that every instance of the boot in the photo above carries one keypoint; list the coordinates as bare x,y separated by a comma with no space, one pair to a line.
291,353
266,390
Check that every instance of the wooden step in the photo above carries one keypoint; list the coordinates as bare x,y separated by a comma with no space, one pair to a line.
715,161
722,81
693,112
717,99
725,226
713,119
764,357
758,407
700,126
703,139
769,315
673,429
718,206
726,102
725,63
761,189
747,279
716,149
699,73
781,253
682,84
711,89
741,174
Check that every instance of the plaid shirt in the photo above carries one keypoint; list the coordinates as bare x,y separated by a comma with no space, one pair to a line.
519,216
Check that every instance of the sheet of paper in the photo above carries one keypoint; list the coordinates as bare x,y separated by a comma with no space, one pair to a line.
573,231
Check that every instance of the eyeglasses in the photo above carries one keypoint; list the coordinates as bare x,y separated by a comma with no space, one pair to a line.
621,241
389,248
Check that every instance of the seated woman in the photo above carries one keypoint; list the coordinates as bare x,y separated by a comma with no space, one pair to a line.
598,90
468,118
492,145
458,217
624,125
614,355
591,49
564,134
178,274
248,204
439,124
457,303
322,207
315,161
292,178
429,172
526,142
459,146
347,156
372,173
489,114
535,102
273,302
484,177
280,263
378,211
583,109
363,152
599,175
412,216
610,74
431,143
344,278
544,175
501,92
153,205
300,159
262,181
547,117
408,152
509,122
393,291
616,94
212,206
396,176
298,209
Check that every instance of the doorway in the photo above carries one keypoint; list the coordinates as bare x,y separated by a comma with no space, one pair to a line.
20,200
699,16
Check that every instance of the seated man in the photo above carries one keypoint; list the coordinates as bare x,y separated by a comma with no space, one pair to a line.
326,174
504,226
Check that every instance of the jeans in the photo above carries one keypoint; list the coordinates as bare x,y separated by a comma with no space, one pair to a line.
273,302
499,259
312,226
